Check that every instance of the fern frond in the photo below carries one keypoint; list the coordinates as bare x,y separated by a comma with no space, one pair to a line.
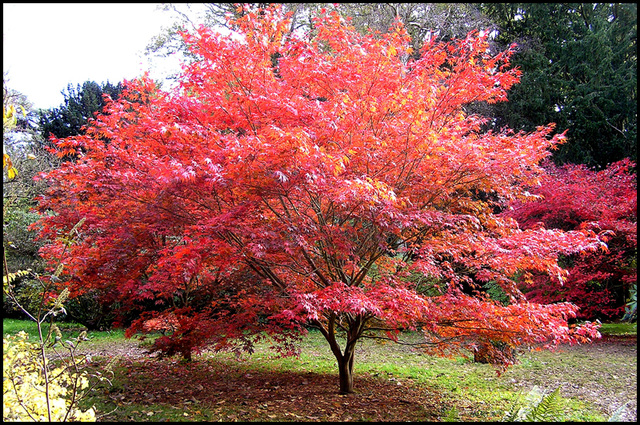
512,414
547,409
536,407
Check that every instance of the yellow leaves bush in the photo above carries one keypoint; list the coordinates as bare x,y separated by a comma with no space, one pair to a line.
24,385
9,120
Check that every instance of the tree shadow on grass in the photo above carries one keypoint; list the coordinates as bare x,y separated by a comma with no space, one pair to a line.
238,391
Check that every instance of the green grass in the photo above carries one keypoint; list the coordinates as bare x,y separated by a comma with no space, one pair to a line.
68,329
619,329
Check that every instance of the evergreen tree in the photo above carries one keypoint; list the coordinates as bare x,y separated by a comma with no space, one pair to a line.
579,70
80,104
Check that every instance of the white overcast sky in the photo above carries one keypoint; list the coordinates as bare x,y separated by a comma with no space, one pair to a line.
46,46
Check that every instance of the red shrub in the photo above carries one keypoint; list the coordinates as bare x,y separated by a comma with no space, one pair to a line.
575,197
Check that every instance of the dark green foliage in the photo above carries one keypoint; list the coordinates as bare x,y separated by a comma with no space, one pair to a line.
20,248
89,310
28,291
21,253
495,292
579,70
80,104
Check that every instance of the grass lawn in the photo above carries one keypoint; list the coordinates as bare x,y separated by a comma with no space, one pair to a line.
618,329
392,382
69,330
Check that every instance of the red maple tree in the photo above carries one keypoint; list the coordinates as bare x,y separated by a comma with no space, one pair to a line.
576,197
325,180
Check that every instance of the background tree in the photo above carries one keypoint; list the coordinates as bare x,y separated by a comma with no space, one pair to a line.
80,104
26,143
23,148
345,188
573,197
579,70
423,21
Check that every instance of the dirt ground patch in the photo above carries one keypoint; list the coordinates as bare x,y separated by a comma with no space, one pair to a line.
234,394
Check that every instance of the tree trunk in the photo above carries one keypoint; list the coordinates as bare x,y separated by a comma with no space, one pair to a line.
345,369
345,360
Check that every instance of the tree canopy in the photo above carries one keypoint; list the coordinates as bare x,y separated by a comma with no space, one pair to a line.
579,60
327,179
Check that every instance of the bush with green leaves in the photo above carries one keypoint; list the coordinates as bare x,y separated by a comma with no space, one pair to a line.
26,293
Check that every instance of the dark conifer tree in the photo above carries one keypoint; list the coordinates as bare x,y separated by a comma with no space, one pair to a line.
579,70
80,104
